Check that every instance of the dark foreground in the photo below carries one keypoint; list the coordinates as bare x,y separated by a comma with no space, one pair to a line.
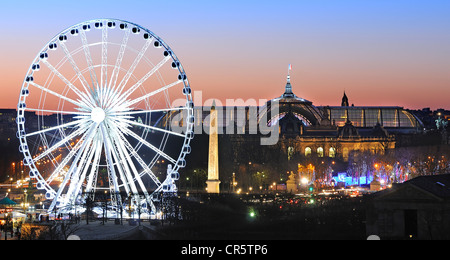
266,217
225,217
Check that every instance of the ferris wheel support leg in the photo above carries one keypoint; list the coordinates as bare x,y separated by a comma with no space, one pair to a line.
92,178
124,145
111,171
77,186
124,171
71,169
75,179
123,150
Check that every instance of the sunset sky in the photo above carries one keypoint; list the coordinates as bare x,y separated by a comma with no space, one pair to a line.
380,52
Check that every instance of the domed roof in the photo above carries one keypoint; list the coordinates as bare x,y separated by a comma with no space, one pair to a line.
348,130
289,103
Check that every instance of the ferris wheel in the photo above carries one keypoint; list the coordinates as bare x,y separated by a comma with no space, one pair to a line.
105,107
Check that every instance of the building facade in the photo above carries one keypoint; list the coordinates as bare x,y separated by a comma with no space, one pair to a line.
322,131
318,138
416,209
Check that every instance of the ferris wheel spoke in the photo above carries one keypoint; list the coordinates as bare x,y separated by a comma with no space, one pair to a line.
55,128
104,72
129,103
131,70
124,172
81,105
137,177
57,111
89,61
127,166
126,94
79,131
138,158
80,76
67,82
115,74
149,127
149,145
133,152
64,162
148,111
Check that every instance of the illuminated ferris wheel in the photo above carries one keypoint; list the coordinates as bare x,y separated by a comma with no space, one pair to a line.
103,104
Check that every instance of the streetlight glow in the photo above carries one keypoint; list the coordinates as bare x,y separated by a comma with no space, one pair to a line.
304,181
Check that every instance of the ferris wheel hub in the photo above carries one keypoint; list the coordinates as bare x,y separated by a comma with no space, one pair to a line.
98,115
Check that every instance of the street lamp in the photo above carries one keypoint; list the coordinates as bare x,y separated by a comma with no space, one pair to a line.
10,184
234,183
26,200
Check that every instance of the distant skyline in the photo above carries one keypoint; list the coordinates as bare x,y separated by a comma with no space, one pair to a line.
380,52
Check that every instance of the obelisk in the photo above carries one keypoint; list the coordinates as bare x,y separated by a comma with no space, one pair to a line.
213,156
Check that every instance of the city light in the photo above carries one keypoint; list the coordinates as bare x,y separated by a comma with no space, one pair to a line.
304,181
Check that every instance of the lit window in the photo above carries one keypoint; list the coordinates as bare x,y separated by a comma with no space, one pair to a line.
320,152
332,152
307,151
